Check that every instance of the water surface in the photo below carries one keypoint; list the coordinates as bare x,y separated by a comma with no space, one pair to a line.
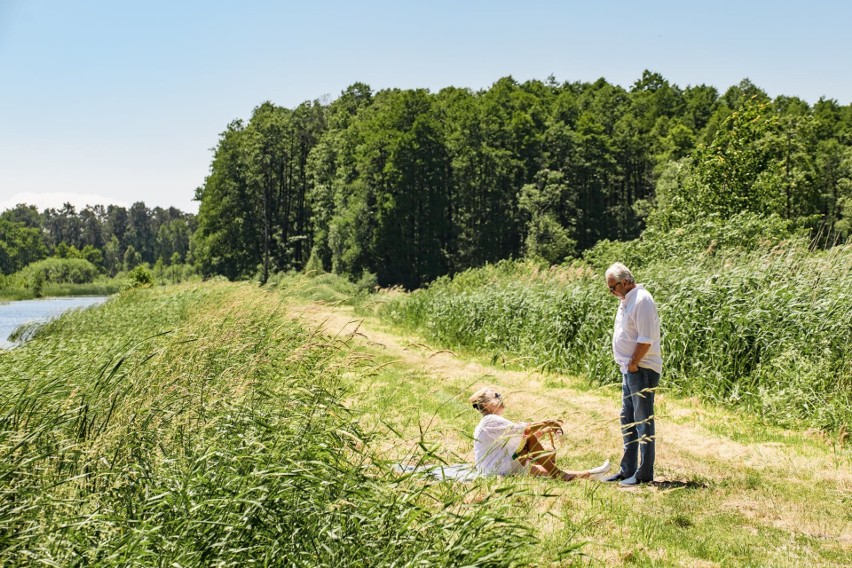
15,314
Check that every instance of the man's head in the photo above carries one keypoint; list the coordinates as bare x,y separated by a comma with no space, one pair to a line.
619,280
486,400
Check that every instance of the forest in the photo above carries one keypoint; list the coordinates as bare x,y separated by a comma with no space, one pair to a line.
112,238
401,186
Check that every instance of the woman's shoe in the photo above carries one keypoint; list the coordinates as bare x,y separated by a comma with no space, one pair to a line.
598,472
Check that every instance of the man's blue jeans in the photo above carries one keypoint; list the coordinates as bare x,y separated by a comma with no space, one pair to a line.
637,423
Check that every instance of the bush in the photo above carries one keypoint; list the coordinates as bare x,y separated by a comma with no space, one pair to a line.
699,241
57,271
139,277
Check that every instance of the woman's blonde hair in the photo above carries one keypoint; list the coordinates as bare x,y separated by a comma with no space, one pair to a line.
483,397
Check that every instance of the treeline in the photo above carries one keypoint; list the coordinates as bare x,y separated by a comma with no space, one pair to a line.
399,187
404,186
111,238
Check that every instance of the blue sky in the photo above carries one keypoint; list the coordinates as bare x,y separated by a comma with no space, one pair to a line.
119,101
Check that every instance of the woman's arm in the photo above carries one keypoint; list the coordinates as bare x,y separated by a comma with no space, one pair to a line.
543,426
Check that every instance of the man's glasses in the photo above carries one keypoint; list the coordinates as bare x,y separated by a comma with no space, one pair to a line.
613,287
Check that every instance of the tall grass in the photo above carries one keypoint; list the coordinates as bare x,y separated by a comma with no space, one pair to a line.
198,426
766,328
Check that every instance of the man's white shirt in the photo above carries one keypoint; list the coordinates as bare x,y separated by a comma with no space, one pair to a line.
637,321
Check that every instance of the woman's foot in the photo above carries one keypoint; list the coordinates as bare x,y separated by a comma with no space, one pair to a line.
599,472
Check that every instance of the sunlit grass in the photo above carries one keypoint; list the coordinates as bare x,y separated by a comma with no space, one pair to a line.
738,489
200,426
765,330
733,490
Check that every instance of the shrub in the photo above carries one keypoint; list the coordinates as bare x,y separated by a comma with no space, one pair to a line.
700,240
57,271
139,277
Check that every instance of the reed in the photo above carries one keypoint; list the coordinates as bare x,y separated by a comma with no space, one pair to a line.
763,327
199,426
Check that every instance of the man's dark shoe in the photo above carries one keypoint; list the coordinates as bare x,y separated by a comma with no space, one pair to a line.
611,478
632,482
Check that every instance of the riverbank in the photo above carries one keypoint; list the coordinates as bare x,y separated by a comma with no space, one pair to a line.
21,318
106,288
199,425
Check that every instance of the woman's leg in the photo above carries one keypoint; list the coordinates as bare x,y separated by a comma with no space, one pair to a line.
542,462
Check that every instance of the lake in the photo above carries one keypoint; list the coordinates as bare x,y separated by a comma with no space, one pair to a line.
15,314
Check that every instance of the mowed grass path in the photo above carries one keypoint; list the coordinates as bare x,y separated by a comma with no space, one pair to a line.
731,491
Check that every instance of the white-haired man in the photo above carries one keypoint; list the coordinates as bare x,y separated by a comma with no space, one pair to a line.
636,349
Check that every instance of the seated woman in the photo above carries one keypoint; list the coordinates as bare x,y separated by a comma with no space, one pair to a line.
502,447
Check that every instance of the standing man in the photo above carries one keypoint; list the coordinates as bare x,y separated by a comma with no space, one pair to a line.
636,348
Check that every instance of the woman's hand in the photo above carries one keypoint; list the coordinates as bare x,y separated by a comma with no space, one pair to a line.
538,428
554,426
557,426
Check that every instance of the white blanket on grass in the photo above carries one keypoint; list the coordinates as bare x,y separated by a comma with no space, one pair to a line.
466,472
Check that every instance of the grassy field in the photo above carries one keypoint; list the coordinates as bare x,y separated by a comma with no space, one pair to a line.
221,424
732,490
765,330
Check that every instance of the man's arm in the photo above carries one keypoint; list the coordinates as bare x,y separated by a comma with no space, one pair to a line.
648,326
638,353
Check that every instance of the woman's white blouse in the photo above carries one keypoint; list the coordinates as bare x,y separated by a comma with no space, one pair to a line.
496,443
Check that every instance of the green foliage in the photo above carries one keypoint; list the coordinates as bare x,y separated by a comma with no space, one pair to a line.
101,235
64,250
551,208
57,271
140,277
750,316
764,158
19,246
174,272
253,205
200,426
411,185
112,259
93,255
132,258
703,239
314,264
548,240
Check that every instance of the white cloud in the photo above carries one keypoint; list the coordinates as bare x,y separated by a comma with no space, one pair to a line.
56,199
